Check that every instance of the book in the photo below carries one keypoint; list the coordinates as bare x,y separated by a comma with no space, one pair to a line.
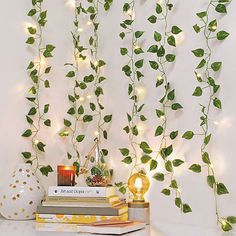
76,219
83,204
107,211
68,191
89,200
115,228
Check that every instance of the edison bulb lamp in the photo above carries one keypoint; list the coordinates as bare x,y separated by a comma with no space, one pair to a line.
138,185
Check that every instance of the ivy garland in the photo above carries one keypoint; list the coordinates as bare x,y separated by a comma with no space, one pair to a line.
165,41
75,98
204,73
36,116
133,71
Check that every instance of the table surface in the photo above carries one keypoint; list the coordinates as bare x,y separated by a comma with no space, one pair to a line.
30,228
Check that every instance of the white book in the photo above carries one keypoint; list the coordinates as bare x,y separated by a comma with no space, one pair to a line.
111,229
68,191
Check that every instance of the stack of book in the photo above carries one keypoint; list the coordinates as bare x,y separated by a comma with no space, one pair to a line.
81,205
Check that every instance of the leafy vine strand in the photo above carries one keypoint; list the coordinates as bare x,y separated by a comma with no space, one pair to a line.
36,116
163,41
204,73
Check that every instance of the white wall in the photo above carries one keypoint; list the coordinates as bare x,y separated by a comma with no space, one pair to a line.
14,83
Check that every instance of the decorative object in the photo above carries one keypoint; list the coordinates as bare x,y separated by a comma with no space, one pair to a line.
66,175
21,195
138,185
98,175
206,73
37,69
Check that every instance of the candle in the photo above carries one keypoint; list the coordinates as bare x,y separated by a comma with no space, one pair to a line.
66,175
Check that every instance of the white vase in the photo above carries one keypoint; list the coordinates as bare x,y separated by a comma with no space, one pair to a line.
21,195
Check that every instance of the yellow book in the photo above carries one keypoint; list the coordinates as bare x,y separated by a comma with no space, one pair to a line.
76,219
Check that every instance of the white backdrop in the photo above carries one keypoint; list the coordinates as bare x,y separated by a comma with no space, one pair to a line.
15,57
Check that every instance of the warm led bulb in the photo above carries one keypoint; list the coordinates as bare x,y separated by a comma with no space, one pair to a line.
214,27
96,63
162,117
131,13
80,29
96,133
89,96
136,47
63,133
81,99
159,77
36,141
89,22
138,185
71,3
199,75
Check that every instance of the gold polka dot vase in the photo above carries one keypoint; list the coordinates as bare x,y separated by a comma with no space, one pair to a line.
22,194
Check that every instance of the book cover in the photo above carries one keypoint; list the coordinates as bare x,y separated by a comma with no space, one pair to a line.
82,204
84,199
107,211
76,219
111,229
68,191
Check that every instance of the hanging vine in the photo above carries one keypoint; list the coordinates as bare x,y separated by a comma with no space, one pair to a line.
76,99
132,70
205,72
36,117
164,41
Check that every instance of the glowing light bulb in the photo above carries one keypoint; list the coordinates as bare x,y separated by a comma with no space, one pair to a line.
131,13
179,38
159,78
138,185
29,25
214,27
64,132
199,75
162,117
89,96
80,29
96,63
141,92
89,22
160,1
71,3
136,47
141,128
81,99
216,123
211,166
96,133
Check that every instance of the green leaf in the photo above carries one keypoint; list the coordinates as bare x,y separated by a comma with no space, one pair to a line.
152,19
176,106
145,147
175,30
168,166
217,103
177,162
124,151
32,30
159,176
221,8
80,138
70,74
27,133
30,40
178,202
158,8
123,51
170,57
205,158
122,35
196,28
45,170
216,65
154,65
226,226
202,14
107,118
47,70
43,14
145,159
139,63
221,35
213,26
127,160
81,110
199,52
207,139
159,131
138,34
92,106
186,208
173,184
41,146
122,190
47,122
195,168
174,134
138,51
201,64
161,51
171,41
165,152
50,47
153,49
46,84
32,111
67,123
231,219
211,180
87,118
32,12
221,189
188,135
157,36
26,155
46,108
171,95
166,191
153,164
71,111
197,92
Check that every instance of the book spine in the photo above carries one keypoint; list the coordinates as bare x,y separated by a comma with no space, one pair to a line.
77,191
76,219
77,199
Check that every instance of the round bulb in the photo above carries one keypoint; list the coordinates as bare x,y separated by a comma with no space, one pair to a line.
138,185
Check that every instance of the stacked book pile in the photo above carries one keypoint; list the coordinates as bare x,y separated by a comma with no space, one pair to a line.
81,205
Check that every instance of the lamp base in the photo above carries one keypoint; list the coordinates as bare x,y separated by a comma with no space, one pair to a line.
139,211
